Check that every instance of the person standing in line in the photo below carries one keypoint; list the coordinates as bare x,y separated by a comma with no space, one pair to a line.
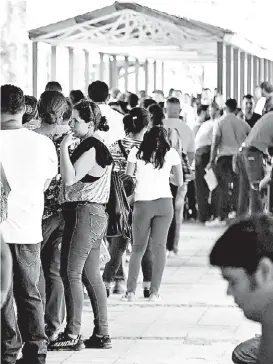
250,280
248,105
203,141
153,163
52,108
228,135
172,121
98,92
86,178
267,92
30,162
135,126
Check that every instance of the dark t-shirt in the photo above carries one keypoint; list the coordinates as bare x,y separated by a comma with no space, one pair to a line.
253,120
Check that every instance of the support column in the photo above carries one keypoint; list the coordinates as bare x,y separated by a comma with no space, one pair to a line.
236,73
35,69
255,73
261,70
265,70
146,70
228,71
126,67
101,69
220,62
242,75
71,67
137,75
162,76
114,72
155,75
270,72
53,63
86,70
249,74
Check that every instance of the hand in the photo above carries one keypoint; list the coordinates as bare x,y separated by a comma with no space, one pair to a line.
67,141
210,165
264,182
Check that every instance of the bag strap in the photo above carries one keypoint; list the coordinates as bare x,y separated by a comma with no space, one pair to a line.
122,149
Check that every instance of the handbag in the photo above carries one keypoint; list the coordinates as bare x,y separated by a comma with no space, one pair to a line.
187,171
118,209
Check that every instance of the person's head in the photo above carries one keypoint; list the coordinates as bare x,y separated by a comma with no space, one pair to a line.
12,106
158,96
136,121
142,94
51,107
244,253
53,86
31,109
178,94
258,92
215,111
87,119
68,112
240,113
248,104
147,102
76,96
171,90
204,113
231,106
132,100
98,91
267,89
154,146
156,115
115,93
173,107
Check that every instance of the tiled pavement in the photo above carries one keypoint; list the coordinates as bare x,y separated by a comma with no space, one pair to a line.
195,323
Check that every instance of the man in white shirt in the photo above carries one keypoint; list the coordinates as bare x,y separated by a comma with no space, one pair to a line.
30,162
98,92
260,101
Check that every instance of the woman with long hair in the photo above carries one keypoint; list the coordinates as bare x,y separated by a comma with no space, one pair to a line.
135,125
156,115
153,211
86,177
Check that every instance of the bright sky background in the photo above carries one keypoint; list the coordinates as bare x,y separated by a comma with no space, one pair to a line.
251,18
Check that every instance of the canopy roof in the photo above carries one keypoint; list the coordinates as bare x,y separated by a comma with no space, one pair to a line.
131,29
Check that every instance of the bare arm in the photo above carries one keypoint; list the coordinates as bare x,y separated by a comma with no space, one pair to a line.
190,156
177,175
216,140
130,170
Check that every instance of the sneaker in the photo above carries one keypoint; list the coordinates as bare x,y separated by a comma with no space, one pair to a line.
98,342
129,297
215,223
154,297
119,287
52,336
146,292
66,343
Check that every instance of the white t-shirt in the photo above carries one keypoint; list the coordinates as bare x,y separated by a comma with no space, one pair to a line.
153,183
260,105
115,122
29,160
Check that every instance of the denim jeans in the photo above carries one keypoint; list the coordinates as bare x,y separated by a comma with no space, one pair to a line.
51,284
150,219
179,194
114,268
28,327
202,158
85,226
250,169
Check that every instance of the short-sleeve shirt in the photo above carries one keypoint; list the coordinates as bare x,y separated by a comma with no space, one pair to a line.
232,132
29,160
185,133
153,183
120,162
261,136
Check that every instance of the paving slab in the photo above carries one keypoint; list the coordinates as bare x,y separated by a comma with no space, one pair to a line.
194,323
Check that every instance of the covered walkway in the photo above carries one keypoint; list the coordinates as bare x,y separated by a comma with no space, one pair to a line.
128,37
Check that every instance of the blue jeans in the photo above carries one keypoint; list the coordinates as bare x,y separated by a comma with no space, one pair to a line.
28,327
85,226
51,284
114,268
151,219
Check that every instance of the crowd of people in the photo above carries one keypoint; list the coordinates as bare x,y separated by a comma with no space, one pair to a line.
119,172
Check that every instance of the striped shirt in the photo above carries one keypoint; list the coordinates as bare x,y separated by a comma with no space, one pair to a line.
120,162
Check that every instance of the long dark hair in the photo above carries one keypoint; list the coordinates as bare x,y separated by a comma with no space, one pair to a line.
51,107
157,115
90,112
154,147
136,120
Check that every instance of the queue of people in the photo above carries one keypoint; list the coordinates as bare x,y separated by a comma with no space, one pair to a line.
81,170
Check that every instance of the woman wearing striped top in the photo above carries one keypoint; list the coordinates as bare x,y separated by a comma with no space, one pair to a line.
135,126
86,177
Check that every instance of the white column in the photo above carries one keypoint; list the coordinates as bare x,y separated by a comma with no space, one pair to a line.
71,68
53,63
35,69
86,70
